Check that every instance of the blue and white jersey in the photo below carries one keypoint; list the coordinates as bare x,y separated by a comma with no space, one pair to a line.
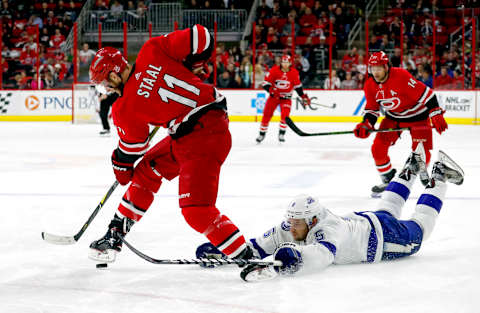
354,238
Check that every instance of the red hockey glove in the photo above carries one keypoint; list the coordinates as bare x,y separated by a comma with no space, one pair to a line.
274,92
363,129
306,100
436,115
123,170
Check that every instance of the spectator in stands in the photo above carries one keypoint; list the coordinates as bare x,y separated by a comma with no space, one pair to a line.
57,39
86,55
308,21
426,77
427,29
36,84
49,80
443,80
224,80
360,67
264,11
458,78
385,44
360,78
374,44
287,28
35,20
116,9
275,44
350,60
379,29
71,11
336,84
349,82
259,76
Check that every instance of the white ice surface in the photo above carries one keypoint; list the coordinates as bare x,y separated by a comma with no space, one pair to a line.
52,175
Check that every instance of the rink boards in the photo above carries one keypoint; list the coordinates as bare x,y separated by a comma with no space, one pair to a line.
462,107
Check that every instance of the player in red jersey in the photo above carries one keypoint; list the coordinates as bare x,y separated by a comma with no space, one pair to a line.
165,88
280,83
406,102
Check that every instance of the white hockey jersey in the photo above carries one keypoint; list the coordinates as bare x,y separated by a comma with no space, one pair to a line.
354,238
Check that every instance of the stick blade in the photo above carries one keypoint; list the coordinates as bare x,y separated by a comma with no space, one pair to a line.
58,240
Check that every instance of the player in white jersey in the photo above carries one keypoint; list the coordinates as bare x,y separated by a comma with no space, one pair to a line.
312,237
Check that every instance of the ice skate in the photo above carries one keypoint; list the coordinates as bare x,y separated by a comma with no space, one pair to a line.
281,136
260,137
105,133
415,165
446,170
106,248
386,178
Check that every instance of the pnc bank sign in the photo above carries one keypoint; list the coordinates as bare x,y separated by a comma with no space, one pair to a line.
57,103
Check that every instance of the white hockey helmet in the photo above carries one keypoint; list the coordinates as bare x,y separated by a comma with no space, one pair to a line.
306,207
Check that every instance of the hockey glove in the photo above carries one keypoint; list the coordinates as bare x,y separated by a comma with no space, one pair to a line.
291,258
123,170
274,93
209,251
306,100
201,70
363,129
436,115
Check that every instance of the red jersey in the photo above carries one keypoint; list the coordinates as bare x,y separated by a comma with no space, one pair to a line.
402,97
161,91
285,82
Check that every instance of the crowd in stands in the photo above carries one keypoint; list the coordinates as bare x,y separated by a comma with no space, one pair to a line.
312,21
20,52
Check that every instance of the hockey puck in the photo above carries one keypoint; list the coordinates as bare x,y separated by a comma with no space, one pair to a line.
101,265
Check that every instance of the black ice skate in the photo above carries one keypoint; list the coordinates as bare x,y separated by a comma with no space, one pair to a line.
106,248
446,170
105,132
281,135
386,178
260,137
246,254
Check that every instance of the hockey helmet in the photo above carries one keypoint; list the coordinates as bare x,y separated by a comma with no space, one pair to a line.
286,59
305,207
378,58
106,60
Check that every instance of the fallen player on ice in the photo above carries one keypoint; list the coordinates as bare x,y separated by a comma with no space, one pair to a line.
312,237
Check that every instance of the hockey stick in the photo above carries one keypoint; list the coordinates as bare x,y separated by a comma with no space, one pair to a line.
299,132
333,106
70,240
203,261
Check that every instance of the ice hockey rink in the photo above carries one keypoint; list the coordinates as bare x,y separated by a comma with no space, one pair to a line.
52,176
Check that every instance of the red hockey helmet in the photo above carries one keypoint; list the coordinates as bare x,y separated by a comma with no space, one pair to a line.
106,60
286,59
378,58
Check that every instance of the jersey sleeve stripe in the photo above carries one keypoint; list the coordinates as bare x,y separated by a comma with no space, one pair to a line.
194,39
207,39
134,145
133,152
265,83
376,113
257,247
297,86
329,246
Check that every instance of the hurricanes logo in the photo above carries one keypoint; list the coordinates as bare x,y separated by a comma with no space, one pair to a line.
282,84
390,103
32,103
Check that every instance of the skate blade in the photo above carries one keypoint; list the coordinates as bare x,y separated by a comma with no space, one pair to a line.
444,158
108,256
376,195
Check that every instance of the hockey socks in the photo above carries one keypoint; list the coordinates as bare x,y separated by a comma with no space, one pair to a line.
218,228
